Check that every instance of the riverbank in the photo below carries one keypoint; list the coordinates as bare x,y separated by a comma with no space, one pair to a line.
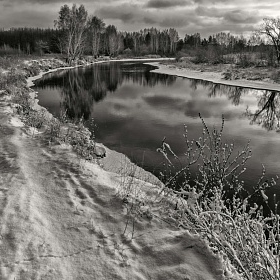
63,217
85,64
217,77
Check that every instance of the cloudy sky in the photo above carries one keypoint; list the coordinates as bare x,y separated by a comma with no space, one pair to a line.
187,16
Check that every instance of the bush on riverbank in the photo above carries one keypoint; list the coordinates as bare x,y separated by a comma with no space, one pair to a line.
213,203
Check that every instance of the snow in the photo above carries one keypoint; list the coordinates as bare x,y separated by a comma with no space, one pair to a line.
62,217
214,77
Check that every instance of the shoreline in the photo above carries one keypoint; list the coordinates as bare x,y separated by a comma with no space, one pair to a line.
30,79
118,158
65,216
213,77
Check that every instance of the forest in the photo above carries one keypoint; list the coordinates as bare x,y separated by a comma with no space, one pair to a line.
76,34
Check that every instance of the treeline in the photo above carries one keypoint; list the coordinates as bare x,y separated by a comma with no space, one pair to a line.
29,40
147,41
76,34
223,47
108,42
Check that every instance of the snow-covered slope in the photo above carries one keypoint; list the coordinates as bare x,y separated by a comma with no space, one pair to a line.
62,217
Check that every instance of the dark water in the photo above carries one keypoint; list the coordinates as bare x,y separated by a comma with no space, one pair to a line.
134,109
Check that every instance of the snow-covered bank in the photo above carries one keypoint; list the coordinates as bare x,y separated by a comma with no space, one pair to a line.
214,77
31,79
62,217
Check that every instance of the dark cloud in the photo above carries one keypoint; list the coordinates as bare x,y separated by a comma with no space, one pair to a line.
179,21
208,11
209,1
31,19
58,2
45,2
125,13
149,20
239,17
28,2
187,16
162,4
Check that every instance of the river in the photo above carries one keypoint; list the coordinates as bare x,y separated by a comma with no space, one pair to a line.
132,109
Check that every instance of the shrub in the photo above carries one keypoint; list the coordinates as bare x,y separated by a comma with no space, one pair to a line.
35,119
22,99
12,78
215,205
209,55
244,60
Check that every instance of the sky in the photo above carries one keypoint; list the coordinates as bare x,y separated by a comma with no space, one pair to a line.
186,16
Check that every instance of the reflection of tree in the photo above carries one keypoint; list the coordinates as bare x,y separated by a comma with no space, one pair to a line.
81,87
140,74
114,77
76,99
233,93
268,114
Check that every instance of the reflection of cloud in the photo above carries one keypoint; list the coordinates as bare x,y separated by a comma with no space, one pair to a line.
164,102
216,108
183,106
137,117
120,110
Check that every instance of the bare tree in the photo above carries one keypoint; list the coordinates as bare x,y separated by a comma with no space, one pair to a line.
271,28
96,27
174,37
112,37
72,23
154,33
120,42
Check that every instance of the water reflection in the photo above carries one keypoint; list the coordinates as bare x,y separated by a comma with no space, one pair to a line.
82,87
268,113
213,90
134,109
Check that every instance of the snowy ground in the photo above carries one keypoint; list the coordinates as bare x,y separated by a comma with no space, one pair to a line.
62,217
215,77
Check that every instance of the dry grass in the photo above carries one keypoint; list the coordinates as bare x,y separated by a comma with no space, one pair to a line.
215,206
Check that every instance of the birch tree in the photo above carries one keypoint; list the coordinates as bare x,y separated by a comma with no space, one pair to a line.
72,22
112,37
96,27
174,38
